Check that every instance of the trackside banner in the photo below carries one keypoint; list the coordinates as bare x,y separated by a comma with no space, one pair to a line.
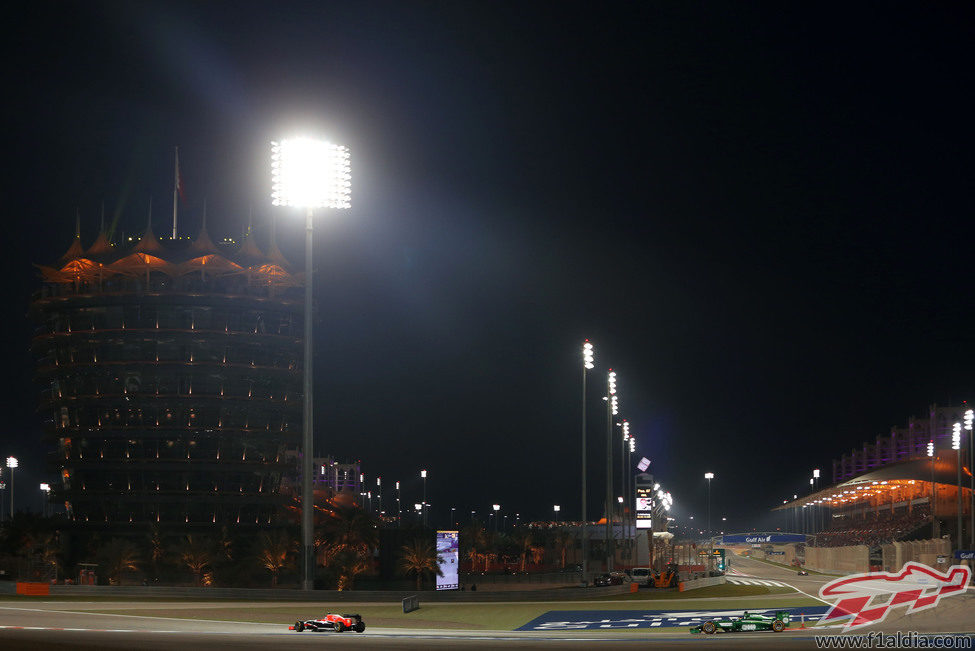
759,538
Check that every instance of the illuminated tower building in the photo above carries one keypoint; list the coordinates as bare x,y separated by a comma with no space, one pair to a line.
171,380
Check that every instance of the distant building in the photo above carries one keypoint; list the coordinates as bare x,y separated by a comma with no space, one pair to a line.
171,380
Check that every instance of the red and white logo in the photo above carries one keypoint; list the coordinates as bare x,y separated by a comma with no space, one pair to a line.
916,586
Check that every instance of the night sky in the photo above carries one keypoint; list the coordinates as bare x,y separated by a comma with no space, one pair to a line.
759,213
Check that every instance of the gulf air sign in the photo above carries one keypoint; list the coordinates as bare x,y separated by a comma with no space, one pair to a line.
763,538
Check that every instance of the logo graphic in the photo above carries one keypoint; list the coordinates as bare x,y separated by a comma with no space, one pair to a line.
916,586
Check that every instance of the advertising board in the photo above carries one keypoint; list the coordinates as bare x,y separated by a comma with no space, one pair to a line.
448,557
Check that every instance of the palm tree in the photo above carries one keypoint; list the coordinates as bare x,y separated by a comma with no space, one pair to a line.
196,554
274,553
523,543
419,558
119,556
346,540
562,540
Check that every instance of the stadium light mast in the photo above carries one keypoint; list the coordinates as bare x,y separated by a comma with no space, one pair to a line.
423,476
588,356
623,441
969,419
956,446
309,173
12,464
933,495
709,476
612,409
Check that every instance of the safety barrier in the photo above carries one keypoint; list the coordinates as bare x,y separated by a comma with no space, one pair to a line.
36,589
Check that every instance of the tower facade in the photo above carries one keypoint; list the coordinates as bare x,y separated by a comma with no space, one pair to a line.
170,377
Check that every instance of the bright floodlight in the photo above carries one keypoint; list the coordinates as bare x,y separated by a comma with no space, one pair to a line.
496,507
379,481
557,508
931,448
423,474
397,485
632,444
12,462
626,430
956,437
612,382
811,481
587,355
816,473
615,405
418,507
709,475
46,488
969,418
310,173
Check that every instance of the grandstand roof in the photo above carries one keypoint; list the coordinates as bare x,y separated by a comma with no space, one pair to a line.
945,471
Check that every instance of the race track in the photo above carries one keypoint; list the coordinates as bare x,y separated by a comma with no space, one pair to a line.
71,624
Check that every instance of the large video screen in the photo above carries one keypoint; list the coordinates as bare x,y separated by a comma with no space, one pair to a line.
448,556
644,508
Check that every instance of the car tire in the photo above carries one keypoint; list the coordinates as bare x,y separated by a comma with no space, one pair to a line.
778,626
339,627
299,627
359,627
709,628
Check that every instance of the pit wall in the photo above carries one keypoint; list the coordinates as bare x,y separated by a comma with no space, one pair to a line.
896,554
838,560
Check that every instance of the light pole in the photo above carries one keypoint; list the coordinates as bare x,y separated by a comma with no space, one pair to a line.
969,419
423,476
816,510
453,525
629,493
419,512
12,464
587,365
709,476
309,174
612,409
495,508
379,496
46,491
623,442
556,508
399,513
955,445
934,517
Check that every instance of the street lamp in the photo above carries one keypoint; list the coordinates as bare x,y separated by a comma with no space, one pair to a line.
587,365
709,476
495,508
308,173
452,523
12,464
423,476
557,508
955,445
399,513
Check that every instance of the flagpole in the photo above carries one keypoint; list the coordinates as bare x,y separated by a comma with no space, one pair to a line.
175,190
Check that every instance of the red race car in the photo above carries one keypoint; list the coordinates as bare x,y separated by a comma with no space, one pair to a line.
330,622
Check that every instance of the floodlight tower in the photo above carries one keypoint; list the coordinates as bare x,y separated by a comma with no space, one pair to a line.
969,419
12,464
308,173
709,476
956,446
587,365
423,476
612,409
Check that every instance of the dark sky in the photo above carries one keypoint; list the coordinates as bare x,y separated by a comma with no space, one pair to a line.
759,213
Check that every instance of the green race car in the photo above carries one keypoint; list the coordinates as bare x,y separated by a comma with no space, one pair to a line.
747,622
